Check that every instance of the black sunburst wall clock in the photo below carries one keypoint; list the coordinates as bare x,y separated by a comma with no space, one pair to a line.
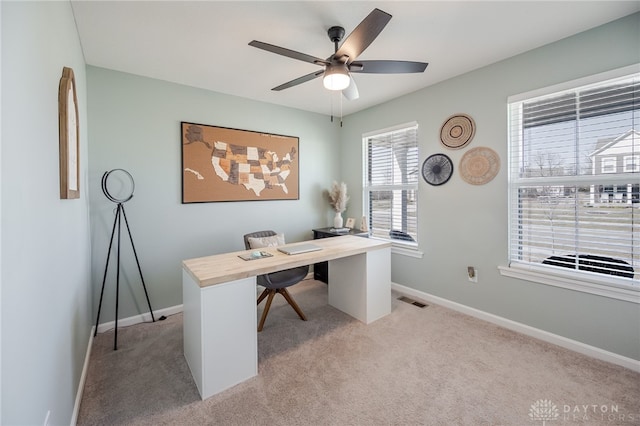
437,169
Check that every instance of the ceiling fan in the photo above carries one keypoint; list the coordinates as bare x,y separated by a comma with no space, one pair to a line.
337,67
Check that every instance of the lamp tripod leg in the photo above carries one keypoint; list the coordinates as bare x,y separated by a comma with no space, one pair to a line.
115,336
126,222
106,268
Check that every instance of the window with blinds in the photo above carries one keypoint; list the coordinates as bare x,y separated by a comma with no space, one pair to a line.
391,183
575,181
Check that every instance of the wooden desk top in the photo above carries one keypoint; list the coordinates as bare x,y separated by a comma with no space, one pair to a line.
221,268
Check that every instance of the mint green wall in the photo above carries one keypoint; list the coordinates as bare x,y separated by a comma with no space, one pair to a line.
49,272
135,125
461,224
46,303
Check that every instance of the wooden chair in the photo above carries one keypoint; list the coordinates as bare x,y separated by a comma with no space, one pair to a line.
276,282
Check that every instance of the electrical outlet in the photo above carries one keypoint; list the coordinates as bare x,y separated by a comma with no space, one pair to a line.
472,273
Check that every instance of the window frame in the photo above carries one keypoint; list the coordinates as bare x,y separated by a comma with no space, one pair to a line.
608,162
635,163
407,248
592,283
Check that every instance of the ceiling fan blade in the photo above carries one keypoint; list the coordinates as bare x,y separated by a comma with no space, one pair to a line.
363,35
287,52
351,92
387,67
299,80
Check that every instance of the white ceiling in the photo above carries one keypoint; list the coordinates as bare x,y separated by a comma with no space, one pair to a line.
205,43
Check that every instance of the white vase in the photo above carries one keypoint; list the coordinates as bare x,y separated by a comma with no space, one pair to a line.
337,220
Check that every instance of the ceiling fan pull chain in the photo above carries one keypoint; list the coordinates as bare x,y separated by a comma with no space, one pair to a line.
331,100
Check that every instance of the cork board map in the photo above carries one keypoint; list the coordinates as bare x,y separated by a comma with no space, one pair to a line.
222,164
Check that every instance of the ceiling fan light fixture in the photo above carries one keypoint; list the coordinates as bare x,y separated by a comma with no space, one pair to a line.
336,77
338,67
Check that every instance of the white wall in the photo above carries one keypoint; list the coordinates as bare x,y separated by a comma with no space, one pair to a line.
135,125
461,224
46,305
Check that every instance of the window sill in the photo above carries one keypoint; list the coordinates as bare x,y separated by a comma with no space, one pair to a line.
406,249
608,287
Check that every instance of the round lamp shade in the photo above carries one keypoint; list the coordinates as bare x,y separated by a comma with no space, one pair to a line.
336,77
118,185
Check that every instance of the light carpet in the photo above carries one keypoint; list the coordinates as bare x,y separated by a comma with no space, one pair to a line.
430,366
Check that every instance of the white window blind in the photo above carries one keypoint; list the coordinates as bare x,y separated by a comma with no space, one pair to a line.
391,183
574,186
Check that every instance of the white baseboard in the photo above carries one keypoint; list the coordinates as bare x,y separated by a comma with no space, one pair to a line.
546,336
137,319
83,378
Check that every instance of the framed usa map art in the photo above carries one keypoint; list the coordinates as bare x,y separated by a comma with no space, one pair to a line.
223,164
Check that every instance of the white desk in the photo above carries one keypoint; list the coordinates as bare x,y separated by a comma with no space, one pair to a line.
219,302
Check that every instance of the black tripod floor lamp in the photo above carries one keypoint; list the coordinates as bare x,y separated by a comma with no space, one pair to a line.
117,222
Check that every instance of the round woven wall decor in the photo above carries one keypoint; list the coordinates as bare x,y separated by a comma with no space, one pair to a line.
457,131
479,165
437,169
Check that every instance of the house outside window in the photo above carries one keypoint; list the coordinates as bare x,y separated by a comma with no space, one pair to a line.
573,185
391,184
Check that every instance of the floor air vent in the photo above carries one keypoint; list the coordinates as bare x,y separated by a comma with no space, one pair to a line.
412,302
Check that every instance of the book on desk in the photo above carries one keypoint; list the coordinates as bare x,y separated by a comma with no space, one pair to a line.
340,230
255,255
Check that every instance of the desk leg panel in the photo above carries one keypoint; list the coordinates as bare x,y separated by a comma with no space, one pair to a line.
192,327
220,336
360,285
378,284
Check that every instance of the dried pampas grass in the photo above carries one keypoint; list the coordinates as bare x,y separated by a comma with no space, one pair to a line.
338,197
